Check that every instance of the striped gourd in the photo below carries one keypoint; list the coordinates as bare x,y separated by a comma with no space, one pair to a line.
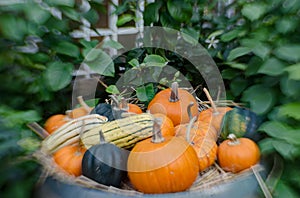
124,132
69,133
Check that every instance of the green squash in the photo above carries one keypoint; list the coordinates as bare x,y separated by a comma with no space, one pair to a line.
105,163
241,122
104,109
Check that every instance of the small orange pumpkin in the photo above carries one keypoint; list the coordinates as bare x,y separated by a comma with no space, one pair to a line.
167,127
83,110
173,102
213,115
237,154
55,121
162,165
69,158
120,105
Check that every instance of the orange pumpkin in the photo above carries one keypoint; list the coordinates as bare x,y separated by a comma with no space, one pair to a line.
173,102
202,141
162,165
55,121
83,110
69,158
213,115
167,127
199,127
237,154
133,108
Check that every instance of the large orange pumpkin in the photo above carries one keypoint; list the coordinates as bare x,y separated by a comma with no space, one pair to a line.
213,115
237,154
69,158
162,164
173,102
202,141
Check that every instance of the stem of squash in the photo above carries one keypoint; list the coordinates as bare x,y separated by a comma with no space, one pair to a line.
174,92
189,128
157,136
189,110
102,138
213,105
83,104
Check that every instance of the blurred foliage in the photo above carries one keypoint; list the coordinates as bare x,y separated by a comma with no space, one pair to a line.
256,47
38,56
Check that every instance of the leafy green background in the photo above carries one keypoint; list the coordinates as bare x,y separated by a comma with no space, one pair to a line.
255,45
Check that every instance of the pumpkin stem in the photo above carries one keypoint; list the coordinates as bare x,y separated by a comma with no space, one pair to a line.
233,140
189,128
189,110
213,105
157,136
119,107
174,92
83,104
102,138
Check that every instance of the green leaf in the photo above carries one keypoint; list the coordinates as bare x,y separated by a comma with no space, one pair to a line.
151,13
145,93
134,62
190,35
286,150
100,62
238,52
71,13
69,3
123,19
154,60
237,85
291,110
236,65
12,27
112,44
262,50
58,75
286,24
288,52
289,87
36,14
67,48
254,11
294,71
229,73
272,67
112,89
233,34
274,128
180,11
266,146
261,98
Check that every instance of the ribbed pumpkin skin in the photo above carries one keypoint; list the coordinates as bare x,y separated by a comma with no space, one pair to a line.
69,159
133,108
105,163
201,128
176,111
170,166
214,119
203,140
237,157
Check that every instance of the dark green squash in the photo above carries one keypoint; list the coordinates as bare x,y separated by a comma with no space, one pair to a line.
105,163
241,122
104,109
